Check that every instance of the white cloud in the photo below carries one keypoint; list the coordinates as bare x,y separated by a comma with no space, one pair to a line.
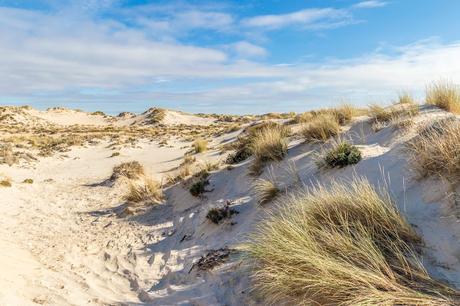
370,4
247,49
40,61
307,18
39,55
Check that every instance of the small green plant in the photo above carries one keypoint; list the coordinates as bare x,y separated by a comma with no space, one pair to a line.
28,181
343,154
200,145
115,154
215,215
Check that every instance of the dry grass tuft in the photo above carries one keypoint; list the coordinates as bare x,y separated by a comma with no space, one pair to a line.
5,181
266,189
405,98
200,145
130,170
436,150
321,128
444,95
268,144
144,189
345,245
397,115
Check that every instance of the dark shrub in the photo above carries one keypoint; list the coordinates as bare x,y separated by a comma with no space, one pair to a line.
342,155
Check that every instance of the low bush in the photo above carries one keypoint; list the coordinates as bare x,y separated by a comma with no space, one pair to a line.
216,215
342,154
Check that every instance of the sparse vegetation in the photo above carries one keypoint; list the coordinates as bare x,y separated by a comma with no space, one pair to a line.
216,215
28,181
200,145
345,245
114,154
130,170
321,128
384,116
436,150
405,98
155,115
268,144
144,189
5,182
266,189
342,154
199,187
445,95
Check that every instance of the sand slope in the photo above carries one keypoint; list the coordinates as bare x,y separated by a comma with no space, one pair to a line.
65,240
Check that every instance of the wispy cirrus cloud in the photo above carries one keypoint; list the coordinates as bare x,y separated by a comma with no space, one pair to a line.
307,18
370,4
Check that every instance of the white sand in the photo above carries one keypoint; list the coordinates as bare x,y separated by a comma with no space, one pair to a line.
62,242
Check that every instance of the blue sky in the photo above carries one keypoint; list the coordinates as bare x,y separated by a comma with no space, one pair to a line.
223,57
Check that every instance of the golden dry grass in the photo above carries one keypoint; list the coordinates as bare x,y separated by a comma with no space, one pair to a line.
265,189
405,98
321,128
436,150
343,245
397,115
130,170
267,144
200,145
445,95
144,189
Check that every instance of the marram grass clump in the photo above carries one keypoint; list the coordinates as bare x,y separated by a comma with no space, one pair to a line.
444,95
321,128
342,245
200,145
268,144
436,149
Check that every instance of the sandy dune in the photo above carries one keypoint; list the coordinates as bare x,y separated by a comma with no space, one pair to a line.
66,241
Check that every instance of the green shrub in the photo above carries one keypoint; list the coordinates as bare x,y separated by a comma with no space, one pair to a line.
343,154
198,188
215,215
